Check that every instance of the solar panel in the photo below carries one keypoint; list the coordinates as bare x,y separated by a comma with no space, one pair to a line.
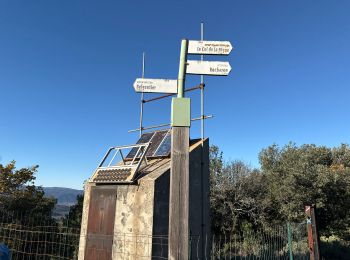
160,144
157,139
145,138
165,146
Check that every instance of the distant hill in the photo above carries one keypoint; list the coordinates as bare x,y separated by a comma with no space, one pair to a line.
60,211
64,196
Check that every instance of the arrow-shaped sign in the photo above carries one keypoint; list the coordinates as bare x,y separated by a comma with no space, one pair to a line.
156,85
209,47
215,68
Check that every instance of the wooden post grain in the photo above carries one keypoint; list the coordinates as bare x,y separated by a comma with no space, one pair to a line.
179,194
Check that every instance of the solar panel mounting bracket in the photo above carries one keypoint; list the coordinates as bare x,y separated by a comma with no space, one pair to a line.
125,170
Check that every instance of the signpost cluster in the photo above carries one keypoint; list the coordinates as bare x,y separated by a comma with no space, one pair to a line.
196,67
180,122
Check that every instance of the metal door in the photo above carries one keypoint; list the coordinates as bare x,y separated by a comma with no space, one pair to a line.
101,223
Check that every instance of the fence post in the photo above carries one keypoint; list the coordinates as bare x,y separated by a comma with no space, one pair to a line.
290,240
315,232
313,238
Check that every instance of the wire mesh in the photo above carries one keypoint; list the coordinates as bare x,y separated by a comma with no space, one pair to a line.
34,236
267,244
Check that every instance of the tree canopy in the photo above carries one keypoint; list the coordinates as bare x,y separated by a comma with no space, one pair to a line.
310,174
290,178
18,192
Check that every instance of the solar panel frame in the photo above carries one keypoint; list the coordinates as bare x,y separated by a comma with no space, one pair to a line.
121,173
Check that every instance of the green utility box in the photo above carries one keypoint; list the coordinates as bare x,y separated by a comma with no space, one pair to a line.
181,112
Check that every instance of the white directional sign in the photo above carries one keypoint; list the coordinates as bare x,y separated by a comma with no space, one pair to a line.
156,85
215,68
209,47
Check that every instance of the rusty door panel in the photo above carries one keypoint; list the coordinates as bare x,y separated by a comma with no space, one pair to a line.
101,223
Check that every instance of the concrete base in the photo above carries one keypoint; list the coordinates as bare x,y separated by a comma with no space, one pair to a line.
131,221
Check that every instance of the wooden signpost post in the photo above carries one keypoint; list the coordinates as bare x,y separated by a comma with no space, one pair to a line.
180,121
179,167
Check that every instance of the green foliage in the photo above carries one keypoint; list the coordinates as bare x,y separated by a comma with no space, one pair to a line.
334,248
18,192
73,218
290,178
305,175
234,195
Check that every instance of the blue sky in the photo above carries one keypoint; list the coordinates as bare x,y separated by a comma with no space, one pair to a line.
67,68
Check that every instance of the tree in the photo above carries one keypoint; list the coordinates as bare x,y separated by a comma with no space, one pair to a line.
309,174
18,192
235,189
290,178
73,218
23,206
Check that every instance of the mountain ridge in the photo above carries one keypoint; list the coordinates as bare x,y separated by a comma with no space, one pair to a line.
64,196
